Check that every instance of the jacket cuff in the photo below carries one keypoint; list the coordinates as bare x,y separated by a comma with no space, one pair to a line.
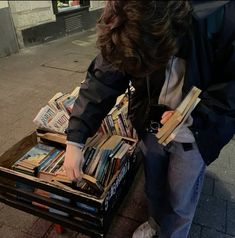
78,145
77,137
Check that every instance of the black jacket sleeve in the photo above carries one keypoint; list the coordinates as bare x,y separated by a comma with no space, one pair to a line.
217,106
210,67
97,96
214,117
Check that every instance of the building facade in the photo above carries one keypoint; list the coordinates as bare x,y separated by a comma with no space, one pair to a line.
35,22
8,40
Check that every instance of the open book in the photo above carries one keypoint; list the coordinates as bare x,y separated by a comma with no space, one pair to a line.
170,129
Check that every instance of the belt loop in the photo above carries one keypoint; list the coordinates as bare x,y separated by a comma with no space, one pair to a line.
187,146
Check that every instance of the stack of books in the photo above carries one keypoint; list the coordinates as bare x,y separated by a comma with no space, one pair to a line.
105,153
172,126
104,156
117,122
36,159
55,115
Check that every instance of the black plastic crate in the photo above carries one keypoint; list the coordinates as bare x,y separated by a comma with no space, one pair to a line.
79,211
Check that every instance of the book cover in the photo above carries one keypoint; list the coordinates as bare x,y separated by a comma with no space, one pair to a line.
52,101
35,155
75,92
53,159
60,102
120,157
93,182
176,130
68,104
179,114
59,122
44,116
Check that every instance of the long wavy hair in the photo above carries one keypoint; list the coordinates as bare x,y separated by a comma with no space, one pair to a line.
138,37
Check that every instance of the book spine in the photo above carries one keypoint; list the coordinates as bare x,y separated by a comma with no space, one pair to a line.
89,160
126,124
116,125
107,126
111,123
121,126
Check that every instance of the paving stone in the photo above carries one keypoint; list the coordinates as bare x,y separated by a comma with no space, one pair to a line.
228,150
21,130
73,63
1,222
223,159
232,155
226,158
219,173
195,231
224,190
212,171
134,205
222,162
211,233
122,227
10,232
231,218
211,212
208,185
66,234
16,219
39,228
82,236
210,174
232,160
9,142
227,176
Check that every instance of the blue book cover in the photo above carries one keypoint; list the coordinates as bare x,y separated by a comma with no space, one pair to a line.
36,154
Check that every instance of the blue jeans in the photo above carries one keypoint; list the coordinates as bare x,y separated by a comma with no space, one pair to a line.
174,178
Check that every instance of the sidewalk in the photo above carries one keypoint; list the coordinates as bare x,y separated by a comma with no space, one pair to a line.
29,79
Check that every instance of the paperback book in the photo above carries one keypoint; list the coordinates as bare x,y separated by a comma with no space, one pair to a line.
170,129
55,115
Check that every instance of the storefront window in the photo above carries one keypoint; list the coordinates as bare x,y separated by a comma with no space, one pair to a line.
66,5
61,6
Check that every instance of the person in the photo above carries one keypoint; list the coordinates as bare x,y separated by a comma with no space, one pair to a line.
163,48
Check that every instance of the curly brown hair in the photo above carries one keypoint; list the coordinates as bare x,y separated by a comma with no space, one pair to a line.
140,36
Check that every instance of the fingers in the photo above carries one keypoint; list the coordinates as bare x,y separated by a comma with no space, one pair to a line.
78,174
167,113
78,170
165,116
70,173
73,163
73,174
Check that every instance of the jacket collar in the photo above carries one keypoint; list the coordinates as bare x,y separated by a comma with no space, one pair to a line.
203,9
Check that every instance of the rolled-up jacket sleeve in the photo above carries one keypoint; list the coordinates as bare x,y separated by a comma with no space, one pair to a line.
97,95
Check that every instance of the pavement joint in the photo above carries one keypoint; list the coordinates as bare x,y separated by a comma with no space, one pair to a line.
226,217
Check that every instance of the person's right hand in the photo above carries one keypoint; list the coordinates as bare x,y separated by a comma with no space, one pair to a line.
73,162
165,116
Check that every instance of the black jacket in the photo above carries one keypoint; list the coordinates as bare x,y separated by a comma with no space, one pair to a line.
209,50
